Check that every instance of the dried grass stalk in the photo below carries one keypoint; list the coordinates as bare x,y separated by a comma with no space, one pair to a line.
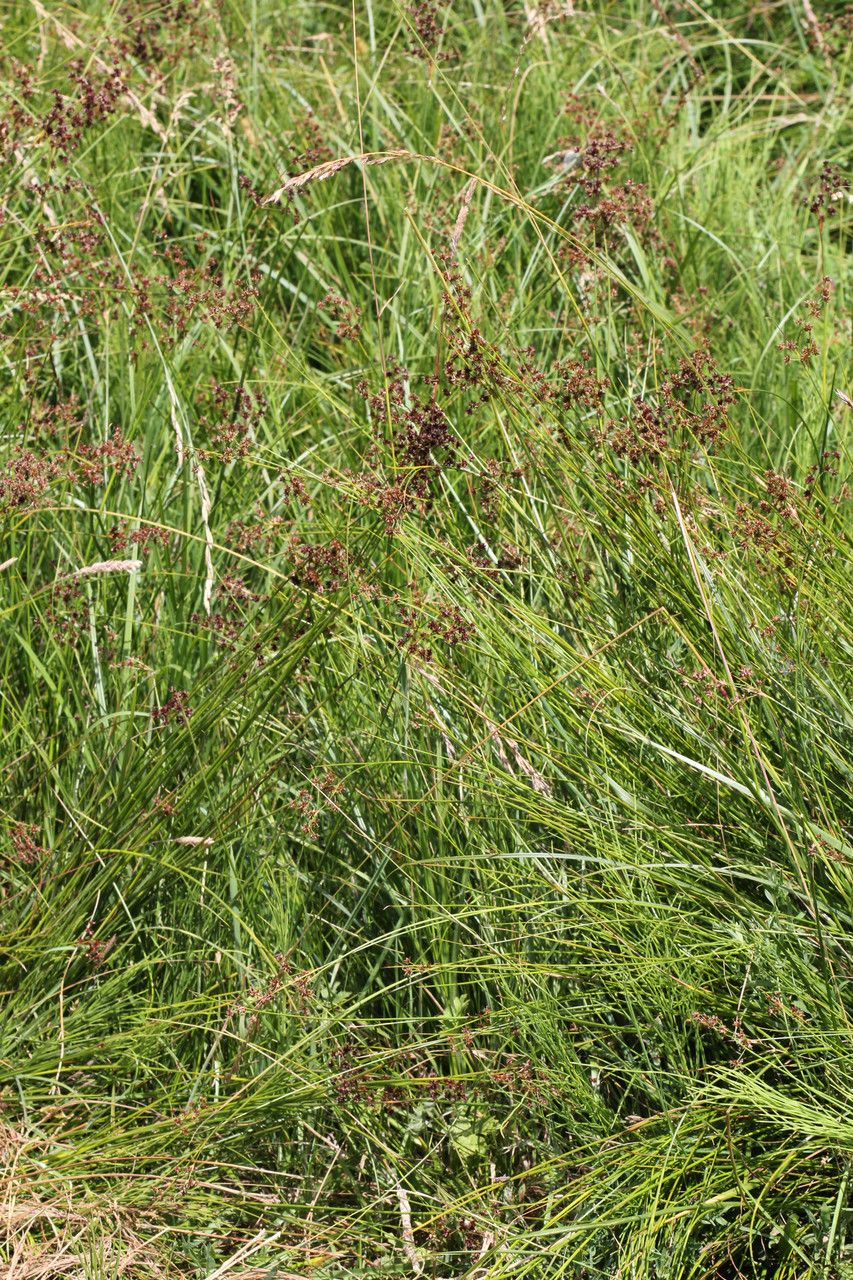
462,216
407,1232
329,168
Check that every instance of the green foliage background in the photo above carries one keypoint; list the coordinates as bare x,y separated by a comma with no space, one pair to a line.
490,913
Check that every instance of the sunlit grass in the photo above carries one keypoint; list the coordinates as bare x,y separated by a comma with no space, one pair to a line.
432,857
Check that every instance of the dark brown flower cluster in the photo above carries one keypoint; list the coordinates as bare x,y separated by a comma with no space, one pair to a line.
836,29
252,194
199,290
777,1006
176,708
781,495
347,317
305,804
227,622
307,146
697,396
293,488
92,98
165,804
26,478
574,383
115,456
425,21
66,614
74,276
53,420
156,35
824,291
150,37
259,536
600,155
508,558
488,485
519,1076
422,445
356,1080
705,685
754,531
25,847
319,566
17,118
414,432
640,436
122,537
804,348
473,363
793,350
232,419
825,468
97,949
767,524
591,165
258,998
457,1232
692,404
392,501
629,204
419,633
830,187
712,1022
29,474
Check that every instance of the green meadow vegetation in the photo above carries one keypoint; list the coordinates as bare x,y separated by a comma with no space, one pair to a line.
426,840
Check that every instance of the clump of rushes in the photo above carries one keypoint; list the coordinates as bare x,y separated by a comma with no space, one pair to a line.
425,823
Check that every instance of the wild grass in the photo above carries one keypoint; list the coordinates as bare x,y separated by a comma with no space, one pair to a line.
425,844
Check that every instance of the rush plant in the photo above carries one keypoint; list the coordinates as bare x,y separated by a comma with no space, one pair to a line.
426,838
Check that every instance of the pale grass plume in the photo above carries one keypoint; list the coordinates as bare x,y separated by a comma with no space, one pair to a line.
535,778
108,566
329,168
462,216
539,15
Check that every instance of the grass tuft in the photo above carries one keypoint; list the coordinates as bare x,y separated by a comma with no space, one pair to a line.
425,844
